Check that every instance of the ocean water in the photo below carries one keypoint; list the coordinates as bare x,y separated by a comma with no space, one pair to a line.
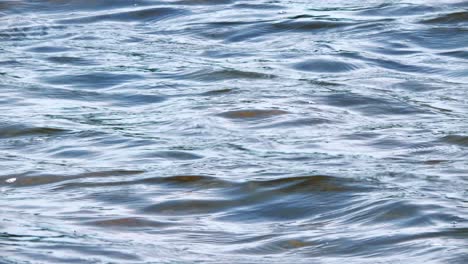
233,131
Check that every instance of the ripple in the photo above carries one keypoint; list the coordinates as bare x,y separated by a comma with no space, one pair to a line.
308,26
257,200
372,106
457,17
77,61
128,222
234,31
440,38
32,32
211,75
204,2
46,49
27,181
393,64
19,130
218,92
187,207
300,122
456,140
188,181
131,100
173,155
324,65
5,5
258,6
399,10
275,247
73,153
91,80
146,15
252,114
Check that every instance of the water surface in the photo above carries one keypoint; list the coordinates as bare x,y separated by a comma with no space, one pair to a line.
230,131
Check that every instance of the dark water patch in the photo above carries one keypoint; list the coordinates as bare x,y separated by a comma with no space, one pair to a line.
225,54
212,75
20,130
252,114
63,6
399,212
392,64
218,92
10,63
76,61
440,38
187,207
308,26
204,2
324,65
389,51
228,31
128,222
417,86
305,184
435,162
29,33
399,10
372,106
258,6
456,140
275,247
321,83
48,49
173,155
228,23
376,25
97,80
361,136
131,100
87,38
278,199
234,31
197,181
381,247
450,18
7,5
300,122
92,252
288,199
189,182
8,239
227,74
73,153
25,180
257,30
122,99
143,15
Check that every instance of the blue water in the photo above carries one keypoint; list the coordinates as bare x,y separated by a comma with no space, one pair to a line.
230,131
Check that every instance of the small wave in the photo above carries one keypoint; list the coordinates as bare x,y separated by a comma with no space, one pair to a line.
252,114
143,15
25,180
457,17
213,75
19,130
324,65
91,80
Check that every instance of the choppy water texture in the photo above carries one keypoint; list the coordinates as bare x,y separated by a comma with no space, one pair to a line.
230,131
